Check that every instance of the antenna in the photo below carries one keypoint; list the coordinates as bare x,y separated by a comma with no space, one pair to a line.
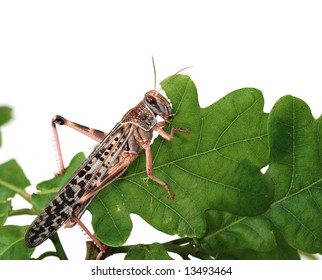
173,75
155,74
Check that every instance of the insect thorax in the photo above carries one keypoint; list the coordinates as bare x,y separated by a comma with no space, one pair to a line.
141,116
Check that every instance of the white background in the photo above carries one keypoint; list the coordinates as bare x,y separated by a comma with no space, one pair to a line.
90,61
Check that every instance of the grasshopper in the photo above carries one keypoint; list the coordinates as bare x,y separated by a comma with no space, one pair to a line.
110,159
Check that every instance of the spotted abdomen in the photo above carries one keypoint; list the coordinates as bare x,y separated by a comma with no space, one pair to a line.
57,212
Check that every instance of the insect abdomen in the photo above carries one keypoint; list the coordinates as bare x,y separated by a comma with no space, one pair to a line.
58,211
54,215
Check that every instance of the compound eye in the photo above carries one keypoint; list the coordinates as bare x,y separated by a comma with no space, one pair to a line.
151,100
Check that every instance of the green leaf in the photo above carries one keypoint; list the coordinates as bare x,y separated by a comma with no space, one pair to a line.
216,166
282,251
12,243
293,221
112,216
227,233
295,139
49,188
5,208
154,251
12,180
233,237
5,116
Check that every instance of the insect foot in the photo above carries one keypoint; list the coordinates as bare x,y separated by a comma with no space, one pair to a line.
94,253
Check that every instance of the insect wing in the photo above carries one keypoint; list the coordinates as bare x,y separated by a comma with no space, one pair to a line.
83,180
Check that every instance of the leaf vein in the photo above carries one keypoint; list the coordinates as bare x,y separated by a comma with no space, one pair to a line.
109,214
298,220
234,120
164,204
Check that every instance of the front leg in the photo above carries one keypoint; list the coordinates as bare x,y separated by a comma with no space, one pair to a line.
149,168
165,135
145,144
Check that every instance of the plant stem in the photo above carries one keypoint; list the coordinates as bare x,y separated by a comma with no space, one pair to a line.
175,246
47,254
17,190
24,211
59,248
183,251
179,241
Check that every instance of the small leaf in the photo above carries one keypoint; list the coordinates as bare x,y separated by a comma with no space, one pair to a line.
12,179
5,116
154,251
48,189
12,243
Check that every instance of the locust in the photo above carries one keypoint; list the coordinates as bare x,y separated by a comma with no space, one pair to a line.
110,159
